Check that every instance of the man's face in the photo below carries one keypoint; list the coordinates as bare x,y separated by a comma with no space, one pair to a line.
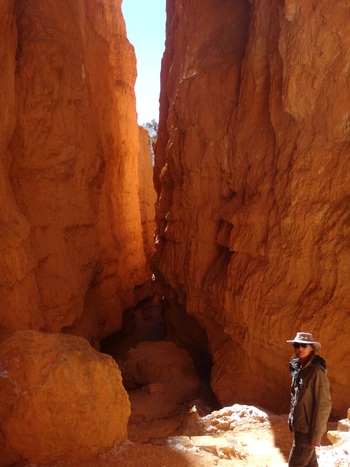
302,350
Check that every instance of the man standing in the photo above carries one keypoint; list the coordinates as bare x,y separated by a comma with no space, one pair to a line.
310,400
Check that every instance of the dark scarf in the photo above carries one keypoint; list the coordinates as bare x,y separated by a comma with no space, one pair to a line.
294,367
296,363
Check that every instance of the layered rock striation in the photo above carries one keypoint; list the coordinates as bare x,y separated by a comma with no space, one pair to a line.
252,174
74,235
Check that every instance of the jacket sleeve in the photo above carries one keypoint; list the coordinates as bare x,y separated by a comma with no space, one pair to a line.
322,407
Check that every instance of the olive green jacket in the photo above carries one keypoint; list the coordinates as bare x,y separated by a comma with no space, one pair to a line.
310,399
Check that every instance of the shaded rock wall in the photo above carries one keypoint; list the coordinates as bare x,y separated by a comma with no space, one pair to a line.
252,173
72,249
147,194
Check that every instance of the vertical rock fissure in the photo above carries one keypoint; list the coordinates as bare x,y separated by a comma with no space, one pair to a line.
201,85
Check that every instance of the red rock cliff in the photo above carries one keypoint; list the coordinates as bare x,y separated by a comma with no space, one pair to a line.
253,177
72,239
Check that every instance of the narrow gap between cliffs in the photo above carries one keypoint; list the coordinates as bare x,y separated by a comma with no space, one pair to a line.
163,384
165,373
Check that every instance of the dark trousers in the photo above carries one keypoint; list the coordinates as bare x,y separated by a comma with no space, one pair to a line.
302,453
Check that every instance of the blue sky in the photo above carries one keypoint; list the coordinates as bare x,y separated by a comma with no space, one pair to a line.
145,25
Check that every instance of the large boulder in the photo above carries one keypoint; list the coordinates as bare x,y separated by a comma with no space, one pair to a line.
159,376
60,399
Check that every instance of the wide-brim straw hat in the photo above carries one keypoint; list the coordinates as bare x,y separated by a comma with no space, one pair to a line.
306,338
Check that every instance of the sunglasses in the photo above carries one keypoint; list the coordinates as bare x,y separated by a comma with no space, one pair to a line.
296,345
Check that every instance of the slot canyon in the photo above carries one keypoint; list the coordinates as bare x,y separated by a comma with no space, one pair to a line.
145,307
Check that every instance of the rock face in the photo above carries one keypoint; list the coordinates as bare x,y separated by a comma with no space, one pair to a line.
71,233
60,399
253,177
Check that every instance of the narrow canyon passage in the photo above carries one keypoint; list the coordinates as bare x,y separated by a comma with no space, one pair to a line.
168,381
142,323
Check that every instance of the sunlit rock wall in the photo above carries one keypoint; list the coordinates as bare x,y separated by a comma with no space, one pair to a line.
253,180
72,250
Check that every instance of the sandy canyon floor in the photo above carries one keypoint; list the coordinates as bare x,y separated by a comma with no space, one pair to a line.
232,436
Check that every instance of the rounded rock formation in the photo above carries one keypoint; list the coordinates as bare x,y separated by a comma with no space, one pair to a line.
160,377
60,399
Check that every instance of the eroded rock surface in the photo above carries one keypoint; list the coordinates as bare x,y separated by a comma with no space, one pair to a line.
253,177
60,399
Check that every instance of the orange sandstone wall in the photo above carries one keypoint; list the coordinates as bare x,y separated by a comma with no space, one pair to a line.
253,180
72,250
